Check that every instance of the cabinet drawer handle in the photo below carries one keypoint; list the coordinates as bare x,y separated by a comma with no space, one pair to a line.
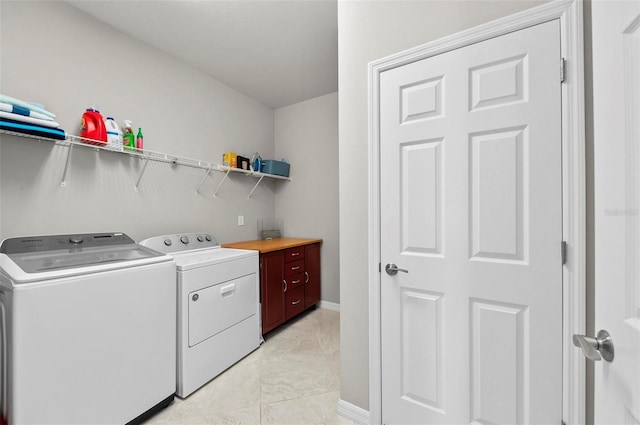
295,254
284,285
295,302
306,277
295,268
293,282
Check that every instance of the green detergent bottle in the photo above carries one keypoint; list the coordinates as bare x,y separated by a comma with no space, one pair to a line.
128,138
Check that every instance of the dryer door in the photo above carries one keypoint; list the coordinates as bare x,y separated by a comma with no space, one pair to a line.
218,307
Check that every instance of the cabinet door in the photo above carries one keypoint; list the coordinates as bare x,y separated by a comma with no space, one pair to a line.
312,269
272,290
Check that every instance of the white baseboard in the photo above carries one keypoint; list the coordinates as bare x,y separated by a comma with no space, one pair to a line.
353,412
329,305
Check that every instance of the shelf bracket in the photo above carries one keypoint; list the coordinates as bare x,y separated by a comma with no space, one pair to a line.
221,181
144,167
203,179
255,187
66,167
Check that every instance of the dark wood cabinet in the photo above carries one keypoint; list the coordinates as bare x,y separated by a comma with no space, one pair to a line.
312,274
289,277
272,290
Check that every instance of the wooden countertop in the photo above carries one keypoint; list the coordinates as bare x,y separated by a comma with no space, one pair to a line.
270,245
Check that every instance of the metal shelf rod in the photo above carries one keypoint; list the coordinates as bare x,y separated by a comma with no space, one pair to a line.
144,167
254,187
203,179
66,167
221,181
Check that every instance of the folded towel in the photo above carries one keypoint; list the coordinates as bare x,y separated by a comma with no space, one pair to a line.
7,107
29,106
36,130
28,120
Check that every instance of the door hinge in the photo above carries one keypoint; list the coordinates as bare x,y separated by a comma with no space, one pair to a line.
563,63
379,267
563,249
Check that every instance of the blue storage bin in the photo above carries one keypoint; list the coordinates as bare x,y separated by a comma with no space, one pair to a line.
279,168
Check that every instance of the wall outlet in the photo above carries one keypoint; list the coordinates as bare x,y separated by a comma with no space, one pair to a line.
240,220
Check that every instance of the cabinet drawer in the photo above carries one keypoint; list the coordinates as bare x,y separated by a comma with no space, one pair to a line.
294,254
294,301
294,267
295,280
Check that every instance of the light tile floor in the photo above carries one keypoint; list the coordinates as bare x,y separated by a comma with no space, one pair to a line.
293,378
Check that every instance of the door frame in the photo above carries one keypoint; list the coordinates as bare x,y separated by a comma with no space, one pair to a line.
570,15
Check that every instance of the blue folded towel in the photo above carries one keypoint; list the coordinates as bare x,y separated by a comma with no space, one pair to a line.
36,130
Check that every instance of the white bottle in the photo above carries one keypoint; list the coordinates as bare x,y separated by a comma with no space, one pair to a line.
114,134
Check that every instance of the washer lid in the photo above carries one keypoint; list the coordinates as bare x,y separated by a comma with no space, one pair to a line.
39,262
35,258
21,245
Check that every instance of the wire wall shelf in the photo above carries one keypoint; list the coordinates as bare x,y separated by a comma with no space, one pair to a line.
146,155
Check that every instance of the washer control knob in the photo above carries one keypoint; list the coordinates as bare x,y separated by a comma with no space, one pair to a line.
167,242
208,238
200,238
75,239
195,297
184,240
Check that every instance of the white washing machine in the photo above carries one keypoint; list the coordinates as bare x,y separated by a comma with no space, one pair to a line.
88,329
218,305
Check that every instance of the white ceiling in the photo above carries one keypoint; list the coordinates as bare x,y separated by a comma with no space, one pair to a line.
278,52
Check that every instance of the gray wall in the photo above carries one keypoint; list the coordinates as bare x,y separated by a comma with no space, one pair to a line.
54,54
306,135
367,31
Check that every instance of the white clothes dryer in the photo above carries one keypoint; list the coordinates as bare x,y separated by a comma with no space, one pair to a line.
218,305
87,329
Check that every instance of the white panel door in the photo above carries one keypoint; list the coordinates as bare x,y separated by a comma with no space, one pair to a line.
616,97
471,207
